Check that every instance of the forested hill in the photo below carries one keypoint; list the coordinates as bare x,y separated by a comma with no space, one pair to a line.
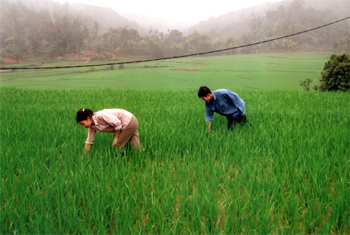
238,22
51,30
105,17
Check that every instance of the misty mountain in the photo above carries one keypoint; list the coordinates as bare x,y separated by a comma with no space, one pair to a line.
232,23
153,23
47,28
238,22
104,16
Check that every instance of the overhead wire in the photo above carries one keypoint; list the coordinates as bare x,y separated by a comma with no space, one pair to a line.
180,56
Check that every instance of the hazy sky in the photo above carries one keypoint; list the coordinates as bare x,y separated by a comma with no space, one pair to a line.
180,10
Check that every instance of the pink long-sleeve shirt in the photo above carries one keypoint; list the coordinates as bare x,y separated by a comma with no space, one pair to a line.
108,120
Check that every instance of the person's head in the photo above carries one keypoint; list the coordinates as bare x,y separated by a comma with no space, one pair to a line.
205,93
84,117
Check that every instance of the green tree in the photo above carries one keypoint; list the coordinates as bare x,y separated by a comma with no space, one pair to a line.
342,45
13,25
306,84
199,42
130,41
86,36
174,43
230,42
95,30
153,46
11,52
335,75
111,40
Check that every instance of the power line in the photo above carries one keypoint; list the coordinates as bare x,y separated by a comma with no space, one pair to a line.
182,56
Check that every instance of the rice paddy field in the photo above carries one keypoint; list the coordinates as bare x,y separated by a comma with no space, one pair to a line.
284,71
285,172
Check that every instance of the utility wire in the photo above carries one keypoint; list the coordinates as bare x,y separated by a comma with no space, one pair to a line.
181,56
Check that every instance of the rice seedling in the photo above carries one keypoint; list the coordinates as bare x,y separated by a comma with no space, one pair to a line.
287,171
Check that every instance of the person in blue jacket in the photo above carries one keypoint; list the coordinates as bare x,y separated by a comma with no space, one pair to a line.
224,102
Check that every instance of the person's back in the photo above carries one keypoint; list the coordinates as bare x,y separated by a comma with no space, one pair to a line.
223,102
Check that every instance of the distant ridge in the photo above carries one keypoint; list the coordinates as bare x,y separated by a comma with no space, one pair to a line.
237,22
231,23
104,16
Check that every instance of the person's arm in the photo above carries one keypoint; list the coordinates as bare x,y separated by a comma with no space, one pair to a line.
112,120
209,117
116,136
209,126
87,148
89,140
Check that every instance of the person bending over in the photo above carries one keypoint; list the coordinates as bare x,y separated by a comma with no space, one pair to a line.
121,123
224,102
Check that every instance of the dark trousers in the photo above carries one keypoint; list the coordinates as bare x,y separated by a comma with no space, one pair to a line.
242,119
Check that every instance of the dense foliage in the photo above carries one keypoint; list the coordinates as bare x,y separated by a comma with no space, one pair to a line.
335,75
29,32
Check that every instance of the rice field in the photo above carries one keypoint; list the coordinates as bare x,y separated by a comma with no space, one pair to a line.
283,71
285,172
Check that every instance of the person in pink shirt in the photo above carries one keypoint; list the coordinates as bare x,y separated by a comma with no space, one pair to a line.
121,123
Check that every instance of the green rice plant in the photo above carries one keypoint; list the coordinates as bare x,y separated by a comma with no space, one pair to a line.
286,171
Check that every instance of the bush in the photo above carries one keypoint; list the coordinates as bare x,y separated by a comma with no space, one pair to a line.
335,74
342,45
96,58
11,52
306,84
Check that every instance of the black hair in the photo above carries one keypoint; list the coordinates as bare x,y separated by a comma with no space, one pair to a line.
83,114
203,91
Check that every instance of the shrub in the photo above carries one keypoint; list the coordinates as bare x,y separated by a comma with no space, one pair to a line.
306,84
335,74
96,58
11,52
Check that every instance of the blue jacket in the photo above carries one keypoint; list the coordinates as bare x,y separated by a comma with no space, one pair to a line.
224,102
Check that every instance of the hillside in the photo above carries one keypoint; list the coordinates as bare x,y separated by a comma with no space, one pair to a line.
235,21
34,28
232,23
238,22
105,17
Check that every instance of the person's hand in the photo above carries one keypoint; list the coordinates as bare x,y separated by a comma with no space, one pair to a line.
115,142
86,148
209,126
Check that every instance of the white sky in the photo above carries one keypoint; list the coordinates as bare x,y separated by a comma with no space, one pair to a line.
192,11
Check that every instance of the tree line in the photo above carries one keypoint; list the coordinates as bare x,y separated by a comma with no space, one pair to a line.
26,32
